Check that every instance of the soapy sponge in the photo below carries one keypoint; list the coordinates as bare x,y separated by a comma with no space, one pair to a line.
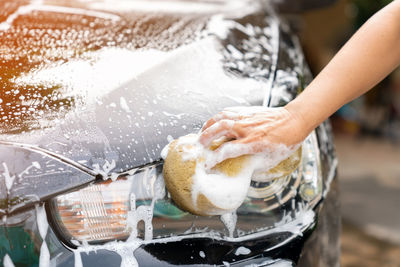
179,173
219,190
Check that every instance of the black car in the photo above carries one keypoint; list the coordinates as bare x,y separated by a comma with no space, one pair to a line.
91,92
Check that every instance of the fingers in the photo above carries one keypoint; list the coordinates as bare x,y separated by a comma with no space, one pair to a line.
223,115
217,130
218,117
237,148
208,123
236,114
228,150
246,110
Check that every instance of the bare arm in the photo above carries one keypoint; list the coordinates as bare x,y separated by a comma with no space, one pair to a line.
370,55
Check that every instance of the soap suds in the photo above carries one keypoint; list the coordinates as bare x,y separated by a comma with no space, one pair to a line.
127,257
170,138
36,165
105,170
124,249
136,214
44,258
264,160
145,214
124,105
223,191
283,264
7,262
229,220
77,258
8,178
303,219
242,251
164,152
273,263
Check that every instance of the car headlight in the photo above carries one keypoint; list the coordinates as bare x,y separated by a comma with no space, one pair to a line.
305,181
137,205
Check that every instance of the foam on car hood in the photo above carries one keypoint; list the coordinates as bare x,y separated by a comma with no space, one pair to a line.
107,88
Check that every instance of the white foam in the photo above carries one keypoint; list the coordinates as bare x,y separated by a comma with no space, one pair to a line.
264,160
44,258
7,262
221,190
42,221
303,219
196,7
192,149
36,164
106,169
178,116
86,78
145,214
202,254
8,178
221,27
170,138
229,220
37,6
124,105
127,257
124,249
77,259
164,152
282,263
242,251
262,176
273,263
225,192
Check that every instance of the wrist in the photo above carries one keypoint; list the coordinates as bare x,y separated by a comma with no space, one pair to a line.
303,123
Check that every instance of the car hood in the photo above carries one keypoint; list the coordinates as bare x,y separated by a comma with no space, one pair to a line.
113,88
101,88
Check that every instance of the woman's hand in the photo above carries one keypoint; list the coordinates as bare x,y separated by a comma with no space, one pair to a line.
253,130
371,54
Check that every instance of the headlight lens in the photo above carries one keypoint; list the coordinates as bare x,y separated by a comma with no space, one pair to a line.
98,212
137,205
306,181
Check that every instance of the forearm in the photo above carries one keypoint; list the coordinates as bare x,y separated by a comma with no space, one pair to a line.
370,55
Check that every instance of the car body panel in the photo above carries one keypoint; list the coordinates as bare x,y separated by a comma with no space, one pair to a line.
61,99
63,102
70,106
69,123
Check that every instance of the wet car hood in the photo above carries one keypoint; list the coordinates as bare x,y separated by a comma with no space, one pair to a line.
97,87
101,88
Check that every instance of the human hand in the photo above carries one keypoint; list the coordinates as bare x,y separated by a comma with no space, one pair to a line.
274,132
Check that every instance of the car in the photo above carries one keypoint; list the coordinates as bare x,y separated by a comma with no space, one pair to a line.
92,91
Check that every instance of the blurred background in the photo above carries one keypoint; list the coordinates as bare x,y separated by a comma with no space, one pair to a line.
367,136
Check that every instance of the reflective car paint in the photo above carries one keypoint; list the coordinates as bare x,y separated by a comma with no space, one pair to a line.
64,118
